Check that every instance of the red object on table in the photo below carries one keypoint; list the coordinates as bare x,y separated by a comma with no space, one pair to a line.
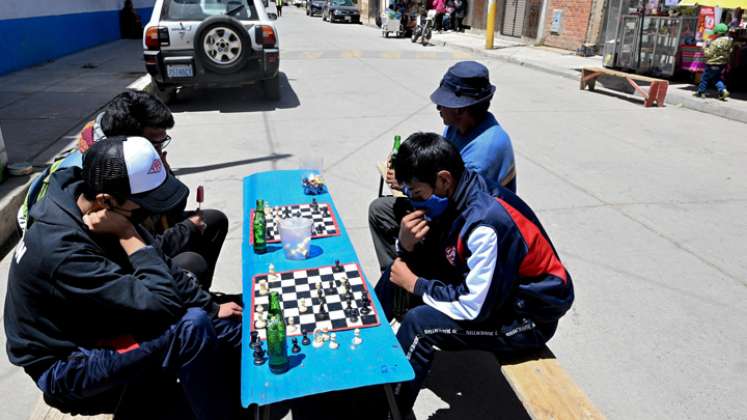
200,195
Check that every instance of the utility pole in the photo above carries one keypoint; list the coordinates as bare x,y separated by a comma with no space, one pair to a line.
490,29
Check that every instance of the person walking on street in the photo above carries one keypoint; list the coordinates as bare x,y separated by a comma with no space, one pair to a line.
460,10
717,56
279,4
440,6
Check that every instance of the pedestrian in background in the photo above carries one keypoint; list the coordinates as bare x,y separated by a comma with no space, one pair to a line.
460,10
717,55
279,4
130,26
440,6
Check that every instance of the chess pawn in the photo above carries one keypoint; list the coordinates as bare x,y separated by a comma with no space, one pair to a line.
318,339
292,327
260,323
357,340
333,345
301,306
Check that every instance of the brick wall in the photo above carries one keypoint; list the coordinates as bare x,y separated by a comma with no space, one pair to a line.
574,26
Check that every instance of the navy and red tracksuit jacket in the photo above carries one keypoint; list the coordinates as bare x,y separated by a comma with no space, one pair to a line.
502,263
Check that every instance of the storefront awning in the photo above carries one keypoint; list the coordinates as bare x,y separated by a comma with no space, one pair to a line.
724,4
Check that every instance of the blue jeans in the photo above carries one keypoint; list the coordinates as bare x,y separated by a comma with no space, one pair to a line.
203,353
712,75
424,328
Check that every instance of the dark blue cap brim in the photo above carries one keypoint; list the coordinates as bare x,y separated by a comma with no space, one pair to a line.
445,97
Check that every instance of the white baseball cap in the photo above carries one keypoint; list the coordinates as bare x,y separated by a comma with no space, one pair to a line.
132,166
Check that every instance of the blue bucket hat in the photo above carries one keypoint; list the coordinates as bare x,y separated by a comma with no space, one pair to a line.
464,84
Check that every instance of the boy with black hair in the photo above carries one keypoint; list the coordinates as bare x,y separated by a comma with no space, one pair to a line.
463,101
482,270
193,239
97,316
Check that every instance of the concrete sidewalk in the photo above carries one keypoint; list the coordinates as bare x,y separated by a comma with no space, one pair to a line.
568,64
43,108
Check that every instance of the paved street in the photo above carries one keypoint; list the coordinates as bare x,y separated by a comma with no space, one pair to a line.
645,206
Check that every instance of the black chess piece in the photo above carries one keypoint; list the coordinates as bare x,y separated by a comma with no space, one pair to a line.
305,340
254,338
338,267
259,354
323,308
319,229
314,204
296,348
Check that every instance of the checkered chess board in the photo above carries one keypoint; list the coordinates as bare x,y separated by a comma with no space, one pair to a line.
301,284
323,218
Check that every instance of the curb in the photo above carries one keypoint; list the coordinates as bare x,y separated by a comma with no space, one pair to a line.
674,98
13,199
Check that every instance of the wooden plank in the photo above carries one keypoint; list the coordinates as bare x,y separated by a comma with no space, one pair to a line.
547,391
618,73
44,412
382,168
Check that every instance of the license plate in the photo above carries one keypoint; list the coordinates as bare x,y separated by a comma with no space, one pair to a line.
179,70
347,18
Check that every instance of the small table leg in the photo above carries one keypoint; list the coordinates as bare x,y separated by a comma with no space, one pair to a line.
393,409
262,412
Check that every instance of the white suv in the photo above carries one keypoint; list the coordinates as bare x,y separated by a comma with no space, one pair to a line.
212,43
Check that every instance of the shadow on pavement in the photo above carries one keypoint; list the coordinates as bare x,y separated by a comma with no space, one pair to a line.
229,100
196,169
471,384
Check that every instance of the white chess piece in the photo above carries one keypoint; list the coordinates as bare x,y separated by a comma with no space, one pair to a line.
292,328
318,339
260,309
333,341
357,340
271,268
260,323
301,306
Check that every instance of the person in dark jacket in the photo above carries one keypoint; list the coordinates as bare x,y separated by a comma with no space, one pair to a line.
480,271
193,239
94,313
460,11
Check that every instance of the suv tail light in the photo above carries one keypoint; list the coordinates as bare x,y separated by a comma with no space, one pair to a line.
265,36
157,37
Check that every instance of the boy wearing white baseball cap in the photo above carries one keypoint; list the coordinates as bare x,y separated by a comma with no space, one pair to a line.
92,309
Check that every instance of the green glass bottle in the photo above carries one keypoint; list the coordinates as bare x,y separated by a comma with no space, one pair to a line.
277,344
395,149
260,240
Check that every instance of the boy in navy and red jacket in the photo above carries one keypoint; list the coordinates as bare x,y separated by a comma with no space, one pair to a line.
482,270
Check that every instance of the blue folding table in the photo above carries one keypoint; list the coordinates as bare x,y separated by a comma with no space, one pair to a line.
379,360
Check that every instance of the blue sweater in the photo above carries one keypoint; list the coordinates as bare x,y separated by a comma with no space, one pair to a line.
487,150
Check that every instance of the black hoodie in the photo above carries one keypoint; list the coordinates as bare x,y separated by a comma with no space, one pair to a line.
68,288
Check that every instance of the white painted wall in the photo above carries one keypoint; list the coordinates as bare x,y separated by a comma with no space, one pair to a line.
18,9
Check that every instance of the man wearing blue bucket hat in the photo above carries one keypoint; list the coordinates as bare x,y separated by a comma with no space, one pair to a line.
462,99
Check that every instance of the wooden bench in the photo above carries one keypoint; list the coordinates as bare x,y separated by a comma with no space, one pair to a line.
546,390
657,92
542,386
382,168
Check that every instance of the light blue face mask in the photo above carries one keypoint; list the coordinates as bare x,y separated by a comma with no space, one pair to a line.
435,205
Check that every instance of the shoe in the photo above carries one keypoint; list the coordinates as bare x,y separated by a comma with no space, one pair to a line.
699,95
724,94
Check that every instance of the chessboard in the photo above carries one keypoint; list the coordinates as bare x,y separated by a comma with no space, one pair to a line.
324,221
340,288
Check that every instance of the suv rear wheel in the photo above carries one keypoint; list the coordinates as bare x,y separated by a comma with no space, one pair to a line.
222,44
